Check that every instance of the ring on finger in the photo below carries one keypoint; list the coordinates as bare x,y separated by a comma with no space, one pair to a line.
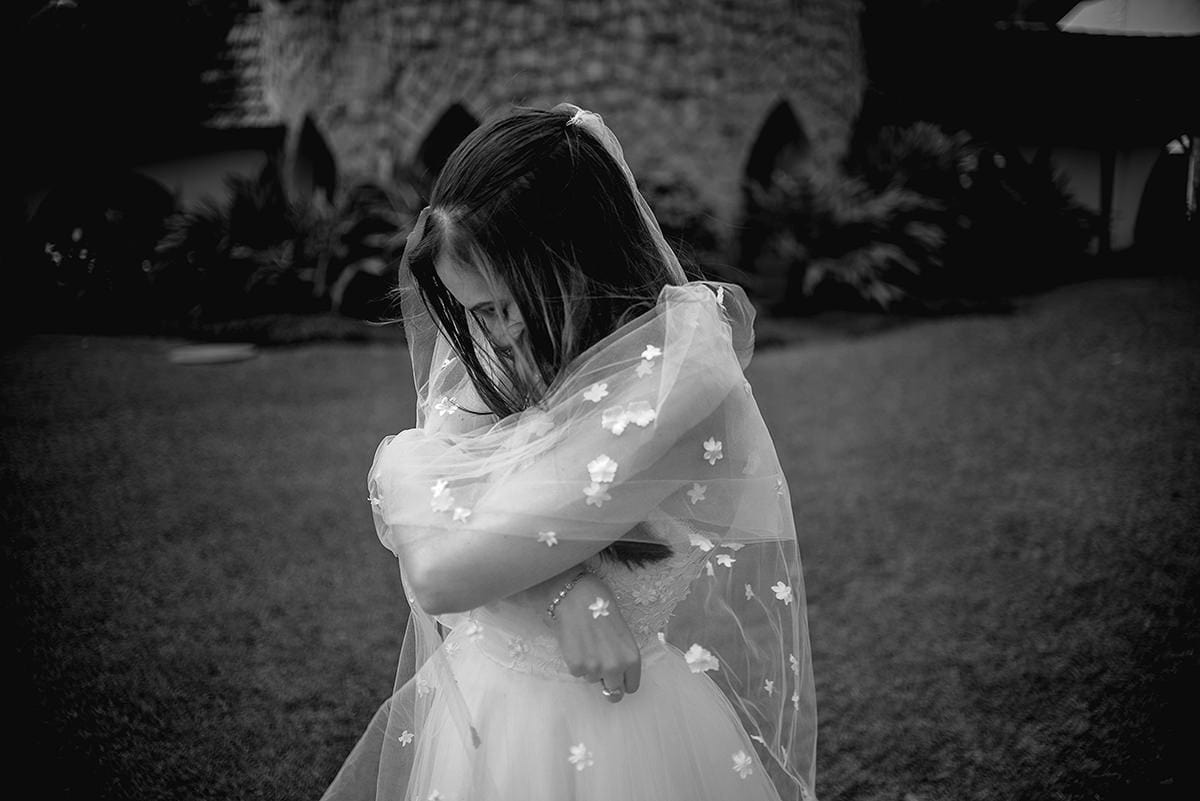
614,694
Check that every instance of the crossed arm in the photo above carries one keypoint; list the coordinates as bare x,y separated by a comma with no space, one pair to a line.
596,648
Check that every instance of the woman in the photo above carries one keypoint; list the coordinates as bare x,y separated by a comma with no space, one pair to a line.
592,526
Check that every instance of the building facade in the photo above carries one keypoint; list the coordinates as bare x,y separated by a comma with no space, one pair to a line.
703,94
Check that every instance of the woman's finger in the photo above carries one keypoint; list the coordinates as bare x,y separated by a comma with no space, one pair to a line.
633,677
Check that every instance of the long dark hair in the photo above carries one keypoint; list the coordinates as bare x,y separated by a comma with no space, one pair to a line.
540,207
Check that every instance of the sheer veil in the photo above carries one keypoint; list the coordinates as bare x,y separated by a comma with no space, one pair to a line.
652,429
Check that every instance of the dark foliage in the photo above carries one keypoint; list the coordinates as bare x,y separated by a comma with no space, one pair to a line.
1012,225
922,221
260,253
85,255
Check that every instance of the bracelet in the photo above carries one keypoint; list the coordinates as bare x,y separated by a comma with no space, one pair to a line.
570,585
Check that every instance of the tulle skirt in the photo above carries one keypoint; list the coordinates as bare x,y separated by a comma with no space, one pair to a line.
547,737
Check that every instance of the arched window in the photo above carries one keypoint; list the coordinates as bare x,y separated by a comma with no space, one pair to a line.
781,144
780,141
313,166
445,135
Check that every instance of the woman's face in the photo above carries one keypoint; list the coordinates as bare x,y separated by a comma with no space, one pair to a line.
492,306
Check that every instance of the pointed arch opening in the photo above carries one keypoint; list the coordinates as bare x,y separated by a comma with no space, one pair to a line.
313,165
781,141
451,128
781,145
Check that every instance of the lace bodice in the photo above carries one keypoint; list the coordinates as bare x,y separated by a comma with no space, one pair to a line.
516,637
647,595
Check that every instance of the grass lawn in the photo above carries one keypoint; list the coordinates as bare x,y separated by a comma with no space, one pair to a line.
999,518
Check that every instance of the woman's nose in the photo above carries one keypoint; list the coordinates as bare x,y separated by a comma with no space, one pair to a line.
508,334
508,329
499,332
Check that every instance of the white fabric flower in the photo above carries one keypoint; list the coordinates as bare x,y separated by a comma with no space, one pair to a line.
461,513
441,500
596,494
472,629
742,764
708,568
749,592
517,647
700,541
782,591
735,546
596,392
644,369
445,406
721,296
651,352
598,608
795,663
640,413
614,420
700,659
725,560
423,686
580,757
548,537
696,493
375,502
602,469
712,451
796,700
769,686
405,738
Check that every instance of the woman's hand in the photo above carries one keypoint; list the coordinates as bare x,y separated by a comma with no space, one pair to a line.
599,647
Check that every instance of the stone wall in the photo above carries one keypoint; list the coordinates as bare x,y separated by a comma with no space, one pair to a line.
685,84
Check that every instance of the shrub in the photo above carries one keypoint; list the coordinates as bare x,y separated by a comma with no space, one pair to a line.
90,242
837,242
259,253
1012,226
920,221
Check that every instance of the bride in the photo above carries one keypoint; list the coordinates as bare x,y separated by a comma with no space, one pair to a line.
591,522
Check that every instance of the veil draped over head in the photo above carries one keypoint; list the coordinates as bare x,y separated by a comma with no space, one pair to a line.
654,428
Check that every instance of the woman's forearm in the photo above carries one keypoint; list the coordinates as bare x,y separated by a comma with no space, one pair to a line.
458,571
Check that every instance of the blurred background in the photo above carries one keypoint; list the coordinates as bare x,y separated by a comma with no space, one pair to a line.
970,230
186,164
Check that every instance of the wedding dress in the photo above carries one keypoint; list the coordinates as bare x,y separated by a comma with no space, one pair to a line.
653,431
545,734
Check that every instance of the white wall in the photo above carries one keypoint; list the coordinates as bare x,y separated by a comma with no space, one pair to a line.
1081,168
